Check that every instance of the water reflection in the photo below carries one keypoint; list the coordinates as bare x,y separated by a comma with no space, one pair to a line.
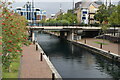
74,62
109,66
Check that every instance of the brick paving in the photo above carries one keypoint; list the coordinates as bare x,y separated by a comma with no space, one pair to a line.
112,47
31,66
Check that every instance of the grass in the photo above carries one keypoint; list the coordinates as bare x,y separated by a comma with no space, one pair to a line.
14,70
100,43
0,66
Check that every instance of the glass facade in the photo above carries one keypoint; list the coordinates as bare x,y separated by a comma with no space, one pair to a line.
30,12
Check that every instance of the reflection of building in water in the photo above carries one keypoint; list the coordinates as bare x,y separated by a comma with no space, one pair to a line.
31,13
88,60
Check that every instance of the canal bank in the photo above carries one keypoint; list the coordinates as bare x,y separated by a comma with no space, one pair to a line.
102,52
35,64
107,54
72,61
54,71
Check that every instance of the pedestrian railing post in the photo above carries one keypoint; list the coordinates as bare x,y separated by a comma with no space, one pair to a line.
53,76
34,42
41,57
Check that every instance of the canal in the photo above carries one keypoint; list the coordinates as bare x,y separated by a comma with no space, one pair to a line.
72,61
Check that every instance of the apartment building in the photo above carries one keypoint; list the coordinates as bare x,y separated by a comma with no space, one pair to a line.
86,11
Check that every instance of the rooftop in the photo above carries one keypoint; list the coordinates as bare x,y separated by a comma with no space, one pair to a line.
85,4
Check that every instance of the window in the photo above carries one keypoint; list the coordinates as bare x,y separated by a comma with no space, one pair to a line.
19,9
23,9
84,12
37,9
83,18
21,13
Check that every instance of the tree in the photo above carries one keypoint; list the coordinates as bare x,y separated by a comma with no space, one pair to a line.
104,12
14,35
101,14
114,18
63,22
69,16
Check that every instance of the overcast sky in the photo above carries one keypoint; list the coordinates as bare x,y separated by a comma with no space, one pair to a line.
57,0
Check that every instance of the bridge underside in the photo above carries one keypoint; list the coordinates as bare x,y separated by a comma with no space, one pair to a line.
69,34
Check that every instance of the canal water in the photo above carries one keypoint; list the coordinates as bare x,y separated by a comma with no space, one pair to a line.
72,61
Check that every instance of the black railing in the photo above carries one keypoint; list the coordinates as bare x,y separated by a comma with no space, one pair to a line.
110,38
66,24
60,24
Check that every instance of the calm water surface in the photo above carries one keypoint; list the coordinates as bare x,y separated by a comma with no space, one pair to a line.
75,62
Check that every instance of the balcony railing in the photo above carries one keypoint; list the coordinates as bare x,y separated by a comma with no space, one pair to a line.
92,12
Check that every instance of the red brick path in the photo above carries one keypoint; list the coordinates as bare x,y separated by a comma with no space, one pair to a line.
31,66
112,47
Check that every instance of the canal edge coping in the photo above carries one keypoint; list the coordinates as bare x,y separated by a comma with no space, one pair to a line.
53,69
97,50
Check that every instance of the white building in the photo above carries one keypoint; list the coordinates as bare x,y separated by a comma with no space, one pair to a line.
31,13
84,15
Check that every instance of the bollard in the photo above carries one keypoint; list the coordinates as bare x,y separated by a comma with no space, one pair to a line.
101,46
53,76
36,47
34,42
41,57
43,53
85,41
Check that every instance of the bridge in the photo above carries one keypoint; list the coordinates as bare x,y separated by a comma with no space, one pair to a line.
70,32
63,28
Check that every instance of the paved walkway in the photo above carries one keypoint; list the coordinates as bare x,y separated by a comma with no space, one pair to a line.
112,47
31,66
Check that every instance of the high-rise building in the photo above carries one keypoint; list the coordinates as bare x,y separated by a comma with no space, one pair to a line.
31,13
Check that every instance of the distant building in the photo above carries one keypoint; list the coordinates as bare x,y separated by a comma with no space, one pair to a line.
58,13
52,16
93,7
31,13
119,3
86,11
